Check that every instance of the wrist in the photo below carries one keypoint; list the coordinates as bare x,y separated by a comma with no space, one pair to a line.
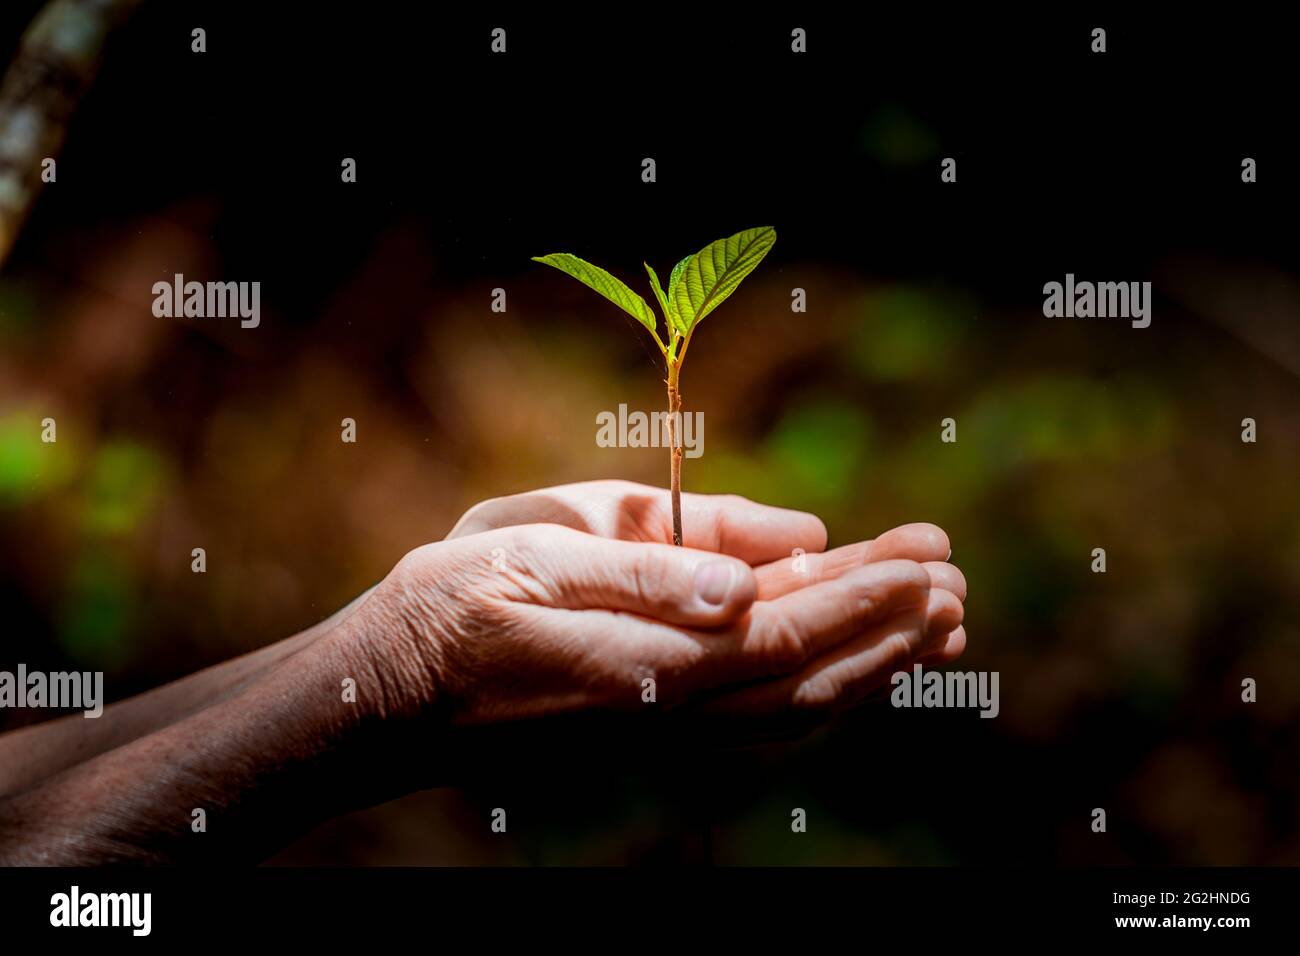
386,655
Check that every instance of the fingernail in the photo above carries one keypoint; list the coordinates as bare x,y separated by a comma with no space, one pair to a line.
713,581
949,558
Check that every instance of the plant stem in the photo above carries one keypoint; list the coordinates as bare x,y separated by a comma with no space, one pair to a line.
675,452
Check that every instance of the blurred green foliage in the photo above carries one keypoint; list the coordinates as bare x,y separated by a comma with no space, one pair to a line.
123,485
99,608
908,333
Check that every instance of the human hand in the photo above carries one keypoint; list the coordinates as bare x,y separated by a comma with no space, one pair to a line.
761,535
533,620
481,633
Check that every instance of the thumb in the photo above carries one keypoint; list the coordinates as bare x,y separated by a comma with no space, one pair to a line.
671,584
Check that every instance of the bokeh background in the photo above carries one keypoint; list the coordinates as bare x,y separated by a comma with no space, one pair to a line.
1119,690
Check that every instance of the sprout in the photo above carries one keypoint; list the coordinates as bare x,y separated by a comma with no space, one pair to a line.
698,285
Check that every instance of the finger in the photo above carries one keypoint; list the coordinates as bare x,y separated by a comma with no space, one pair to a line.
504,512
791,573
753,532
919,541
952,647
775,637
833,680
946,576
681,586
943,615
793,628
845,674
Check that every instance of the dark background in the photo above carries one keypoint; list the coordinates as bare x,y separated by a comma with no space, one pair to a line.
1118,690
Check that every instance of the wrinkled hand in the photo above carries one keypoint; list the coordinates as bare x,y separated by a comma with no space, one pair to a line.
529,620
761,535
567,601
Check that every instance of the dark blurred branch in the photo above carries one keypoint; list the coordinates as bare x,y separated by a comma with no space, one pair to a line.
56,62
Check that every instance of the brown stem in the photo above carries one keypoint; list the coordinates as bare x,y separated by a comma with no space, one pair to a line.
675,454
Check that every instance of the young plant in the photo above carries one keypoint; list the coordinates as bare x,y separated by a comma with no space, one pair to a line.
698,285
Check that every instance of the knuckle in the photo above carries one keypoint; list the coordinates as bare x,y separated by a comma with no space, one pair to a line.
736,501
898,652
486,504
714,530
535,545
784,643
818,695
864,602
518,563
646,581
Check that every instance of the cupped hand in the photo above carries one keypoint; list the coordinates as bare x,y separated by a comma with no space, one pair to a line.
784,545
531,620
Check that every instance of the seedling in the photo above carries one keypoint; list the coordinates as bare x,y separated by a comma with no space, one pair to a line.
698,285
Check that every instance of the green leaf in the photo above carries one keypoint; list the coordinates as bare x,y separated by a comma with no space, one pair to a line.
712,274
595,277
659,294
672,286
